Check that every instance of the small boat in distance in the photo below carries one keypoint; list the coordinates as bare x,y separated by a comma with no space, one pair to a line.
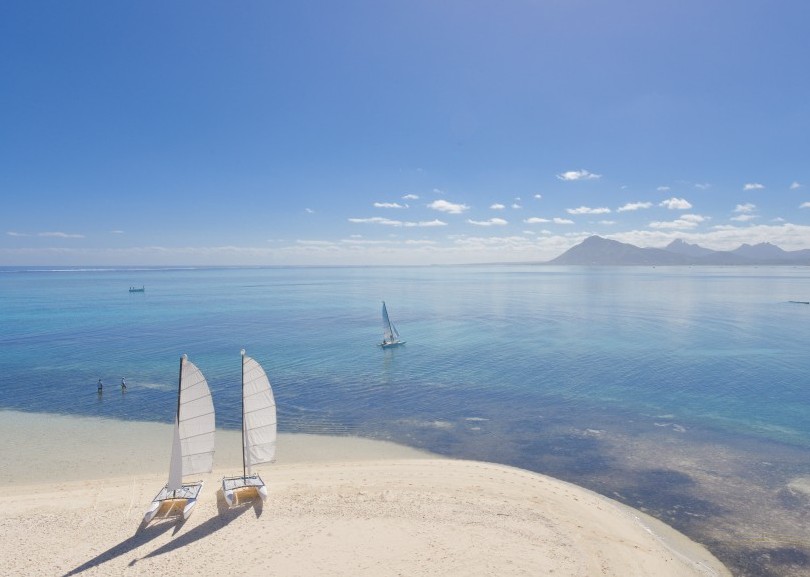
192,445
390,333
258,432
134,289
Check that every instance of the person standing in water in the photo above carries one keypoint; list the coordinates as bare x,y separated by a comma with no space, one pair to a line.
123,385
100,386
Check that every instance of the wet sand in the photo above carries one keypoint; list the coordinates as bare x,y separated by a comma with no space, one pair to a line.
75,490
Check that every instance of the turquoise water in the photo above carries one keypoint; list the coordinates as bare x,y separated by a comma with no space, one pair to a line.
681,391
721,347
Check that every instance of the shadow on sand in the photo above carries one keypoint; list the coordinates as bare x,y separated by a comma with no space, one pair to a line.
147,532
225,515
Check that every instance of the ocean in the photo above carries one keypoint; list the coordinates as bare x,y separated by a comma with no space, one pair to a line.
682,391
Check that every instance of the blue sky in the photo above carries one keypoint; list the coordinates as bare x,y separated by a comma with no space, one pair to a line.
398,132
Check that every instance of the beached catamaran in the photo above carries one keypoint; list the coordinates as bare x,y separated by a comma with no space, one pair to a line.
192,446
390,333
258,431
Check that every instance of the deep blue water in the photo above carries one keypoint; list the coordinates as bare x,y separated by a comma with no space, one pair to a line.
722,347
680,391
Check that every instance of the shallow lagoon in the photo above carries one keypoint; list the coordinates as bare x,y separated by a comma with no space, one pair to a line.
681,391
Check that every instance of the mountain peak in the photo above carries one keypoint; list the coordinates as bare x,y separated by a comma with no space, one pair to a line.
760,250
598,251
680,246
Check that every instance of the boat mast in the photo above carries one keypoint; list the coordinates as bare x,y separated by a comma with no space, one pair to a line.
244,465
177,421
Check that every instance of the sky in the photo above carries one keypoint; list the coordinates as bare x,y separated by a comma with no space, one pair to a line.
365,132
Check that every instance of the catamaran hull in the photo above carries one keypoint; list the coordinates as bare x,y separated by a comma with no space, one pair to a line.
153,509
187,493
189,508
233,485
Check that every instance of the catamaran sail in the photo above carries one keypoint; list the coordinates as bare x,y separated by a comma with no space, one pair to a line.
390,333
258,430
193,442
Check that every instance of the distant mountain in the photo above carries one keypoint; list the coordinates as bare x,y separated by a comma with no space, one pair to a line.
596,250
682,247
599,251
763,250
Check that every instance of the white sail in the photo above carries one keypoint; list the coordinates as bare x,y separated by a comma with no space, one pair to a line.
390,333
258,415
194,427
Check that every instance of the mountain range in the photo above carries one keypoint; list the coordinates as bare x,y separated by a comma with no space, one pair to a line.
596,250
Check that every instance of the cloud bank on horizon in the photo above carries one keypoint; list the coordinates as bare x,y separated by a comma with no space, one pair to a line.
351,135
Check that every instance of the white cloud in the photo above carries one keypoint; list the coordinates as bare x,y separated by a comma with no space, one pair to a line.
490,222
448,207
366,242
410,197
538,220
497,206
703,185
12,233
753,186
676,203
804,205
355,242
376,220
389,205
398,223
316,243
423,242
309,210
538,196
516,206
587,210
662,189
659,224
744,217
538,245
685,221
116,232
558,220
747,207
794,185
60,235
578,175
607,222
634,206
427,223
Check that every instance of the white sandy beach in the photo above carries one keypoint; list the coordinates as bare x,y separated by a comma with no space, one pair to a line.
74,491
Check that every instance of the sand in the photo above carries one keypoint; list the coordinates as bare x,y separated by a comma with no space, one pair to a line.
74,491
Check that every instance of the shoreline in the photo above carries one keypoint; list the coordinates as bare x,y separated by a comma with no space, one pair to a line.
342,505
77,448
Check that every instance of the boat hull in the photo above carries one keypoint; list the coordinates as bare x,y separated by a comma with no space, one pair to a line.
233,486
391,345
186,495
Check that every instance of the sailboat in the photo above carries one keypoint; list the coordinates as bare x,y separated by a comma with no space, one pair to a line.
192,445
258,431
390,333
